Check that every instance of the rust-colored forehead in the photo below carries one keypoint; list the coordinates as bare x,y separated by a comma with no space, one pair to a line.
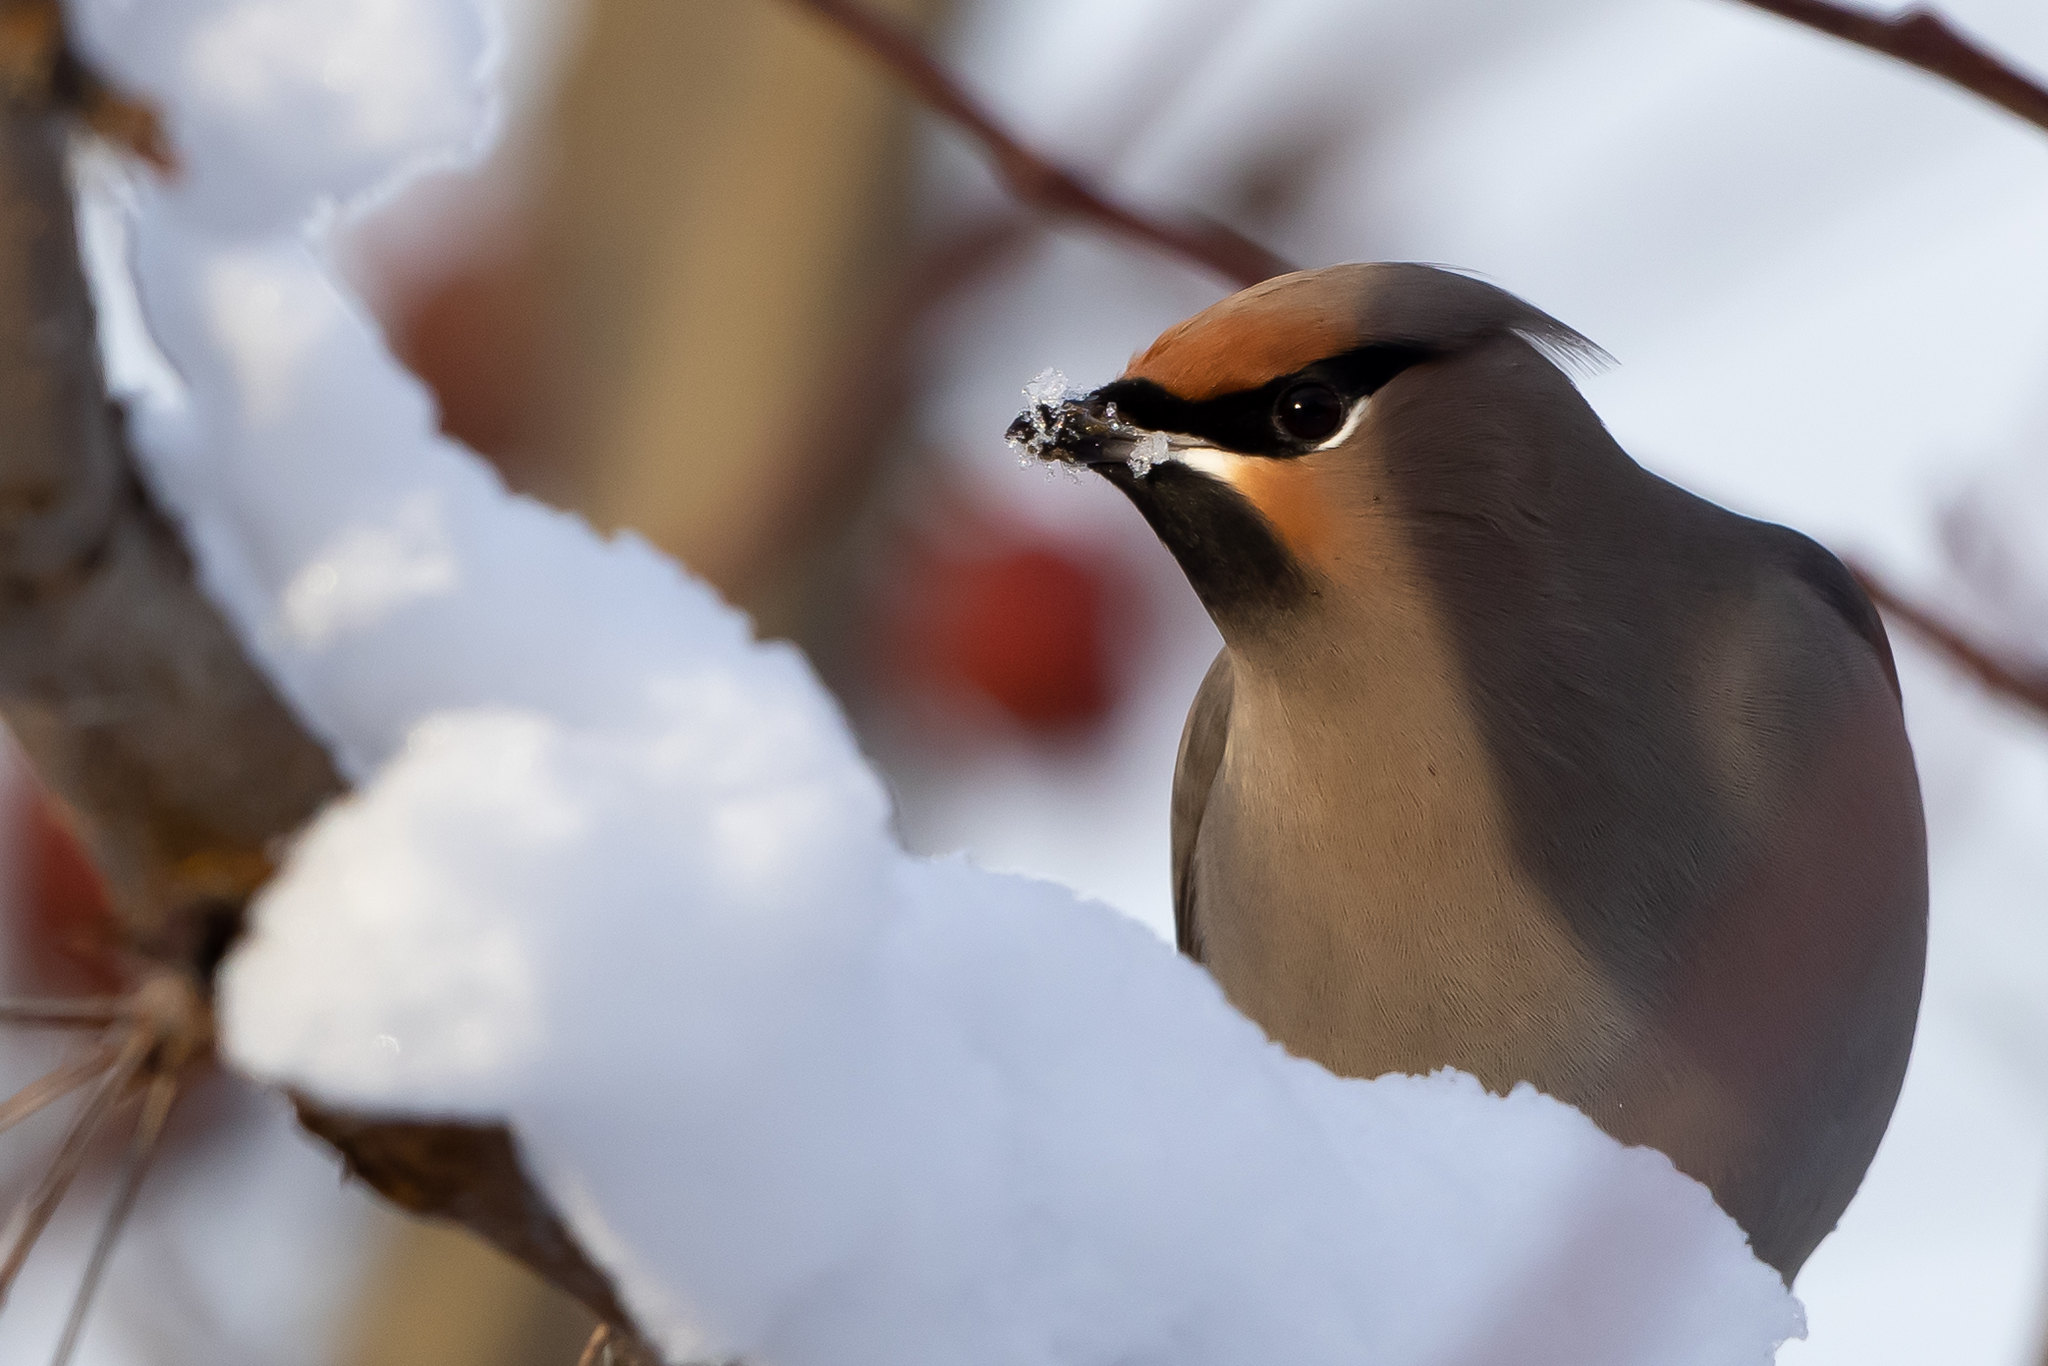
1269,330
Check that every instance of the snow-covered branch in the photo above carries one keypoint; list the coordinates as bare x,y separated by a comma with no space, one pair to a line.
616,881
137,702
117,675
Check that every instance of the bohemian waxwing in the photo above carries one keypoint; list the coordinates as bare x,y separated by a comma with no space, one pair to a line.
1517,758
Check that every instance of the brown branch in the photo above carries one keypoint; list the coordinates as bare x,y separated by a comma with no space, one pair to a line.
461,1173
2019,683
117,675
131,695
1033,178
1921,38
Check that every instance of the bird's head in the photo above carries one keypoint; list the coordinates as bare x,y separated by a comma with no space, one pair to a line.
1260,437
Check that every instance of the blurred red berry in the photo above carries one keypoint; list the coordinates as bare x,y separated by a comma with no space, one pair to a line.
1024,624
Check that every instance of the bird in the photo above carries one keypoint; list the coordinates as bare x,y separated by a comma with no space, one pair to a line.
1517,758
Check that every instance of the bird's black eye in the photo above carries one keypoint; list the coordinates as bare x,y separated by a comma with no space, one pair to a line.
1309,411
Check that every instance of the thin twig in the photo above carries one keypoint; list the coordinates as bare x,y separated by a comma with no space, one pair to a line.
611,1346
35,1211
1032,177
156,1109
2024,685
1923,39
53,1086
597,1351
89,1012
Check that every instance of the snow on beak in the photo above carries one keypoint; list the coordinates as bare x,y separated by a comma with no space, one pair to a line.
1062,427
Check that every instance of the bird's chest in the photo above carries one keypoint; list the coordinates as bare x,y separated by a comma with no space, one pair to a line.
1357,896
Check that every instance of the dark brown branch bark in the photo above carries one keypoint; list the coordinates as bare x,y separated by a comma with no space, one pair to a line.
1033,178
122,682
136,703
461,1172
2013,681
1923,39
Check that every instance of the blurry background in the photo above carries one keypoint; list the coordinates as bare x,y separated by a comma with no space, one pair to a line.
722,285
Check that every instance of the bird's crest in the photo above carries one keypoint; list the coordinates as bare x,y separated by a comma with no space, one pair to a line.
1292,321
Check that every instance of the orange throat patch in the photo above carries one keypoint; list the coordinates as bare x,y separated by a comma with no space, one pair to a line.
1290,496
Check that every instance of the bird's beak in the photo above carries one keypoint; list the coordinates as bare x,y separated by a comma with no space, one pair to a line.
1084,431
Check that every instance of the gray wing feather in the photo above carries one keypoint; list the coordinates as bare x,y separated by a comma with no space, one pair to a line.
1194,772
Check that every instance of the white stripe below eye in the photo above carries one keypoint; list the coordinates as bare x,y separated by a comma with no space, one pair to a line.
1351,421
1207,459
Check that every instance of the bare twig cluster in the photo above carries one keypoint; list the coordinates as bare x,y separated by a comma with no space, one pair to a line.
144,1046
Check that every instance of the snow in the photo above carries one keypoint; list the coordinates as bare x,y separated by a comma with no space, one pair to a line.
1042,432
815,1101
617,874
1042,398
1147,451
1048,389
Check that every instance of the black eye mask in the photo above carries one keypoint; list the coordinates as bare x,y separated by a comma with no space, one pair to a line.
1281,418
